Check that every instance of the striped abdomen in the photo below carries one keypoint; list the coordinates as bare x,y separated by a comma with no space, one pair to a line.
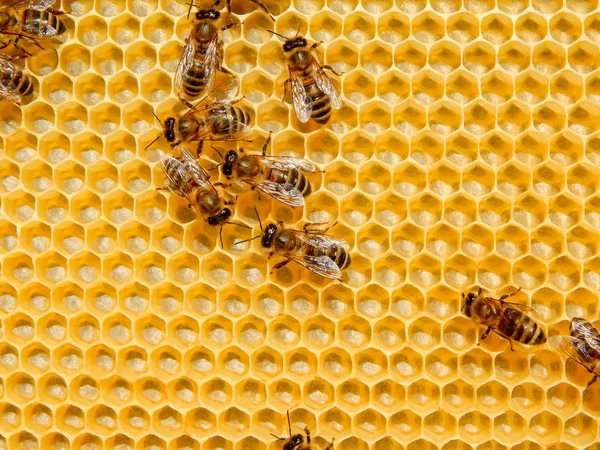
337,254
198,76
226,120
290,177
14,80
41,24
515,325
321,103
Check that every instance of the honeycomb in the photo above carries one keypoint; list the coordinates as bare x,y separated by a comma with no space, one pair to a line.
466,153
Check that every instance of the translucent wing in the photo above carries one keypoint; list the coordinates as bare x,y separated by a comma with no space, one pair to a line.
322,241
8,67
287,163
321,265
584,330
39,5
300,99
200,176
186,61
222,93
325,84
243,130
39,29
504,304
579,351
285,193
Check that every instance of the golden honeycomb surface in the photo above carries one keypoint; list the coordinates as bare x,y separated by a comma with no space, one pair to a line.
466,153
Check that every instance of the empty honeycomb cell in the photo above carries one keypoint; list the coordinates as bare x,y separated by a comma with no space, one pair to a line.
75,59
462,27
92,31
549,58
57,88
532,88
566,87
123,88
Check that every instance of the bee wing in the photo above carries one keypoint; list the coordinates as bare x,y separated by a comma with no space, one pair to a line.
287,163
323,241
7,66
504,304
175,172
582,329
222,94
326,85
321,265
186,61
300,99
38,29
39,5
285,193
200,175
578,350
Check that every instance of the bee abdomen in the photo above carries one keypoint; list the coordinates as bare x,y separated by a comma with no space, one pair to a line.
521,328
321,103
291,177
44,23
227,120
16,81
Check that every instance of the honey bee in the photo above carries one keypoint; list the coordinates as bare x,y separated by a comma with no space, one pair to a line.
296,441
583,346
208,120
14,81
313,92
506,319
30,20
203,52
310,247
190,181
280,177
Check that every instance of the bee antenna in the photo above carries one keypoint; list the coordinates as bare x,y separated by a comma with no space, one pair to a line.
243,225
298,32
259,222
152,143
156,117
248,240
214,168
190,10
277,34
217,150
289,422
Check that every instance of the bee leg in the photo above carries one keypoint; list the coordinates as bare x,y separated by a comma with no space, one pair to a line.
271,255
221,236
279,265
228,26
221,184
56,12
484,335
277,437
592,381
307,432
315,45
285,88
266,144
512,349
315,227
330,446
264,8
339,74
199,148
226,71
505,296
16,45
186,103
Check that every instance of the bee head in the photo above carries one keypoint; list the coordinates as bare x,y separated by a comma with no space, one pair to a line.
293,442
228,162
209,14
220,217
268,235
467,307
170,129
291,44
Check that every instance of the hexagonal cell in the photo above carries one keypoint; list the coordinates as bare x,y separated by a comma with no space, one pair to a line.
479,58
75,59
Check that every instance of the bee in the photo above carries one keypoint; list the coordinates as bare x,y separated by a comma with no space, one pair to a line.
313,92
203,52
14,81
310,247
280,177
296,441
190,181
30,20
583,346
210,119
506,319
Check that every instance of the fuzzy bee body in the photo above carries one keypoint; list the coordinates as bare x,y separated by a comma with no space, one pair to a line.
313,93
506,319
583,346
188,180
14,81
30,23
320,253
281,177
